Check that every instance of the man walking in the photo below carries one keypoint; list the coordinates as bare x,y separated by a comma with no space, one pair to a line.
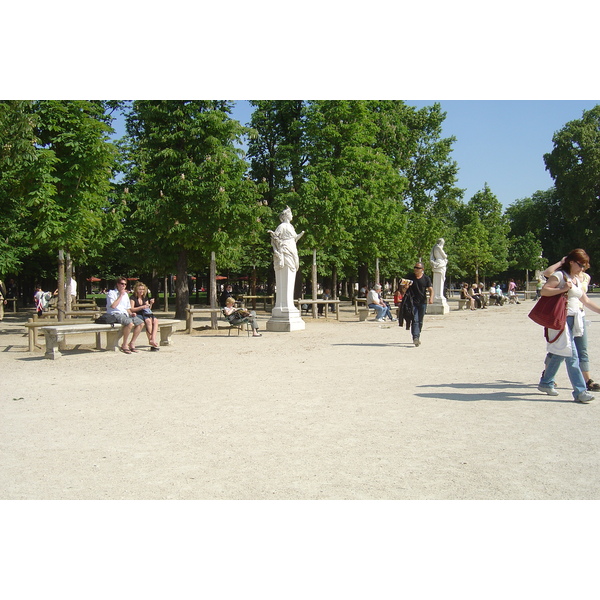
421,284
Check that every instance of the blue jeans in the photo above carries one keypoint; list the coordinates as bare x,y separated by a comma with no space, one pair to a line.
553,362
581,343
382,311
417,324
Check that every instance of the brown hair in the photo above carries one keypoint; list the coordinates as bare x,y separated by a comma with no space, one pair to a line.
579,255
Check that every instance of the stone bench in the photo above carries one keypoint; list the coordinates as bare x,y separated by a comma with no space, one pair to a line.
35,323
365,312
55,334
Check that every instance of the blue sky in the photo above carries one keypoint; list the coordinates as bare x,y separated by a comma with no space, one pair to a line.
501,142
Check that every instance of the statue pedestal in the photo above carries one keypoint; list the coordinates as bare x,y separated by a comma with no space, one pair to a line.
285,319
439,307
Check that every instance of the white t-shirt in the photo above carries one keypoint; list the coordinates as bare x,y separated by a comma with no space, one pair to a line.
372,297
123,306
573,304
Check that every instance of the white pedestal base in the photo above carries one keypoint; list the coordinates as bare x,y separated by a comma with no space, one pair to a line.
285,320
439,307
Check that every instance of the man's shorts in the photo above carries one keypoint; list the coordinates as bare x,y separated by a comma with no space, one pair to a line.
124,319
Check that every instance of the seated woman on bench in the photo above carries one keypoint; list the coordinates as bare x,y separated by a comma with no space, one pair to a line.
237,316
465,295
142,307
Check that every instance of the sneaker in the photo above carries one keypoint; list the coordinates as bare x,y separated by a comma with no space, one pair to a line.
379,320
584,397
394,320
547,390
417,341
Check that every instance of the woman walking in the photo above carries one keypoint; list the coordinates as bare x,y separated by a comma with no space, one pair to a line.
567,280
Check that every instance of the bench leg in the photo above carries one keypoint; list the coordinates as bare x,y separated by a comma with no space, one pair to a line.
112,338
53,341
165,334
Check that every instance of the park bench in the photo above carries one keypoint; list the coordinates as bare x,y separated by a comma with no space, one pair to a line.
191,311
336,304
14,305
56,333
357,302
364,312
244,298
35,323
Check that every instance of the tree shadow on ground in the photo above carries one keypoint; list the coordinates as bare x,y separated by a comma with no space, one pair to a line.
499,391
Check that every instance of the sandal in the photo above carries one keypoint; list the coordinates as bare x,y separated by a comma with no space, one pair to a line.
592,386
125,350
132,348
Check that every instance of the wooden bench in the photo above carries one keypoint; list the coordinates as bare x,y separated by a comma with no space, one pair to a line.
55,334
191,311
264,299
14,305
336,304
356,303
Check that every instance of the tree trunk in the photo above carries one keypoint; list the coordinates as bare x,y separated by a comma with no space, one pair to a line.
377,271
334,283
166,290
154,286
68,277
61,285
314,284
363,276
213,290
182,292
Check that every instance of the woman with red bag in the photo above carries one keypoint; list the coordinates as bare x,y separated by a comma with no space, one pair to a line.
567,280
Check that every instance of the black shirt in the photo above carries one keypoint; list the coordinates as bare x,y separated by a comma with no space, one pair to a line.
418,289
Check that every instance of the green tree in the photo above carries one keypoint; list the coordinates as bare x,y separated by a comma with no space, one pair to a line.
73,216
481,245
189,183
574,164
351,202
24,179
543,215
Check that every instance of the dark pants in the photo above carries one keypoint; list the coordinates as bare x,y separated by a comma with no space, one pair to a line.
417,324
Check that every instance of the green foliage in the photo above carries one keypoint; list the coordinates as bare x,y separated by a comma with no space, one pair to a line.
526,252
480,245
71,209
187,178
574,164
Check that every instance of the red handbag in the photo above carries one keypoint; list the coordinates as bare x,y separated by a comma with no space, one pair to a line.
550,312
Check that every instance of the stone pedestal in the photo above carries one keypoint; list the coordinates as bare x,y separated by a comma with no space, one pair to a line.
285,320
439,307
285,316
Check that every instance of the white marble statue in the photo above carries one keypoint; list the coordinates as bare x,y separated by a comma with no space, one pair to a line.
285,316
439,260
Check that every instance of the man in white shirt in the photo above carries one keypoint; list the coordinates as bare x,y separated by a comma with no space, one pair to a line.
375,301
118,305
